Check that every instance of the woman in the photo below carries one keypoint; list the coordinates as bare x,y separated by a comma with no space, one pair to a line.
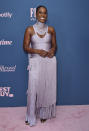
40,43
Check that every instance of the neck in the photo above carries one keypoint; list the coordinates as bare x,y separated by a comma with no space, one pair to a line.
41,28
40,24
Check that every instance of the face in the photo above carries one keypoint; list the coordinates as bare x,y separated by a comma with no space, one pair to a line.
41,15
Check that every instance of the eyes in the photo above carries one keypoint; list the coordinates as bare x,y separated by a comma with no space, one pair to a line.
45,13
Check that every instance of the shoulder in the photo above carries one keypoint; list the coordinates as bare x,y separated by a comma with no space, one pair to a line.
29,29
51,29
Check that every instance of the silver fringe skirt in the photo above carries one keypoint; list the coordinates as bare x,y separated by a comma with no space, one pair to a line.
41,93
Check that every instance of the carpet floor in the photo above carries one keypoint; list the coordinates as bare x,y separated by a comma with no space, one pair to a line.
68,118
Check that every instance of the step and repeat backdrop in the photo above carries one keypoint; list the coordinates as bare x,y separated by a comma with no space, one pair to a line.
70,18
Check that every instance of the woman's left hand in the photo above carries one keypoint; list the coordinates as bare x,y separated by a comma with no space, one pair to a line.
50,53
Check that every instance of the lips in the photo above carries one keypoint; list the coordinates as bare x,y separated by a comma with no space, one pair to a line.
42,18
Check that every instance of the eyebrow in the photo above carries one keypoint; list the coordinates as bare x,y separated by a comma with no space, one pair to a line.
42,11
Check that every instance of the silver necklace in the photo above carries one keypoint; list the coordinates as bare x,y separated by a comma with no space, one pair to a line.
40,28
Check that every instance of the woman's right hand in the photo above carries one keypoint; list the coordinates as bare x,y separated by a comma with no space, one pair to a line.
43,53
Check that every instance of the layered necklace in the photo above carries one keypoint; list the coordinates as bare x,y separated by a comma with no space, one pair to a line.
40,28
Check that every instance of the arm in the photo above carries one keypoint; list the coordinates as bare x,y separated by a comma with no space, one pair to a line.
26,43
27,40
54,46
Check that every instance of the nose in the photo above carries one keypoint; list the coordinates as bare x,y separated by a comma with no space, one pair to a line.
43,14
